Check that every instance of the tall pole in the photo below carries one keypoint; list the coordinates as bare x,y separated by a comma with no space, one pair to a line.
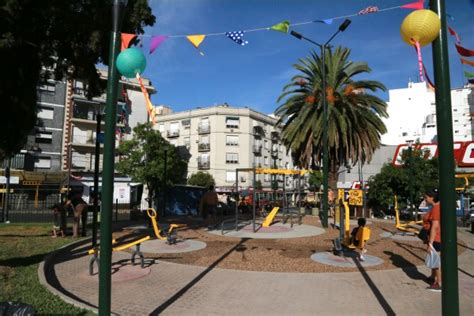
165,182
5,217
96,181
108,164
449,256
324,218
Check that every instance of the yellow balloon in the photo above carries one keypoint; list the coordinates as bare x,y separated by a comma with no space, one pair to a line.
421,26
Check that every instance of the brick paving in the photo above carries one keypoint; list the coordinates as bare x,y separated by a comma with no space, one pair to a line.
174,289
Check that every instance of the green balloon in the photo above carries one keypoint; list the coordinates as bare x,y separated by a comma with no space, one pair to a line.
130,62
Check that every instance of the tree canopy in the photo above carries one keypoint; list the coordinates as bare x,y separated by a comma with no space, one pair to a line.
143,159
408,182
202,179
354,114
42,39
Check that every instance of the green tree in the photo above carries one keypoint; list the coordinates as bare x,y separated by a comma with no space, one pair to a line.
65,37
202,179
354,114
408,181
143,159
315,180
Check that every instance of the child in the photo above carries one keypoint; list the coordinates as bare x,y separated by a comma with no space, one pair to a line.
58,226
357,238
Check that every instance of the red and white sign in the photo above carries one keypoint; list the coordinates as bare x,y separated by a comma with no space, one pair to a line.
463,152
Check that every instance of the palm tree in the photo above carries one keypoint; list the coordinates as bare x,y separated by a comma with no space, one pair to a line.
354,115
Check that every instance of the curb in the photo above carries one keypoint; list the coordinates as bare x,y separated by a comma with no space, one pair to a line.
46,266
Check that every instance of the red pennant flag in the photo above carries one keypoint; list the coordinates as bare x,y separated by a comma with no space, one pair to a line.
464,51
126,39
453,33
414,5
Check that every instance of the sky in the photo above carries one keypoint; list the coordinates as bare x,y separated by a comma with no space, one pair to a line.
255,74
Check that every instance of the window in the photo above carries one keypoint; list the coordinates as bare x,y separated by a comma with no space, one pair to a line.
232,158
281,163
186,123
265,144
44,137
232,122
43,162
204,139
232,140
47,87
266,161
266,177
230,176
46,113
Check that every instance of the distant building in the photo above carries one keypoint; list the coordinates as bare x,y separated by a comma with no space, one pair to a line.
220,139
412,114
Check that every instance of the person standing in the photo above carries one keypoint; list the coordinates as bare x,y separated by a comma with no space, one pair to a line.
208,206
79,205
434,235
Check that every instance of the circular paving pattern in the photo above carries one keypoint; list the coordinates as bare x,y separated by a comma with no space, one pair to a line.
161,246
349,260
275,231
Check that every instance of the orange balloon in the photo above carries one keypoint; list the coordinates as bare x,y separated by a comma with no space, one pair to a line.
420,26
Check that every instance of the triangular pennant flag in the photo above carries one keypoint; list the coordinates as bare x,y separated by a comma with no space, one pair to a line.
464,51
420,60
467,62
453,33
468,74
430,83
196,40
156,41
414,5
281,27
368,10
237,36
327,21
126,39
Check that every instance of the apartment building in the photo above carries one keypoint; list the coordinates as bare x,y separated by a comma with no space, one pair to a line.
79,138
412,114
220,139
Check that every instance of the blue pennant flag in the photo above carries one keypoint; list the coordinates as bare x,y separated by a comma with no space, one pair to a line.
237,37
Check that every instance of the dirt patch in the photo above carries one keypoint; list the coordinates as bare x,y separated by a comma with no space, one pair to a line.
293,255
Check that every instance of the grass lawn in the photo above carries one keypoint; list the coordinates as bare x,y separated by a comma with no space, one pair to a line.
23,247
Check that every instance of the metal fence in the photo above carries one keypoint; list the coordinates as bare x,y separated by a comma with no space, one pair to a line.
27,204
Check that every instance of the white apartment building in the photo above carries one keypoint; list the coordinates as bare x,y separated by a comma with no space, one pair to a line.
412,114
221,138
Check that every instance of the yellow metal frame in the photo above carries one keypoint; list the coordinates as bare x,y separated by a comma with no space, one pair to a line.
269,219
279,171
152,214
121,247
406,227
363,235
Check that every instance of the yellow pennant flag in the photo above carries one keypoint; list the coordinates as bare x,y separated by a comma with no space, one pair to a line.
196,40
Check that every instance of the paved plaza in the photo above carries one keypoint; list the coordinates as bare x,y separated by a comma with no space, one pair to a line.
163,288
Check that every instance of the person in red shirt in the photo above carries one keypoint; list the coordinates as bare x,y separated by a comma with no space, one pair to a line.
434,236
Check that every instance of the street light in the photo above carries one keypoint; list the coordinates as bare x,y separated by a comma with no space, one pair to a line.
342,28
109,159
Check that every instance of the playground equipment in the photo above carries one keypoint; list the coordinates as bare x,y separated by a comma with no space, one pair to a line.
119,245
410,226
170,235
344,240
270,217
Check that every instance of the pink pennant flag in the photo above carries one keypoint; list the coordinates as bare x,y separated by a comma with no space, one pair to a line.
420,60
453,33
419,5
156,41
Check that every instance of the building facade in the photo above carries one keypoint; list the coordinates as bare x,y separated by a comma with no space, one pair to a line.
220,139
412,114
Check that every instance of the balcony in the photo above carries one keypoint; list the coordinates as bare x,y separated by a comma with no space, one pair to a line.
204,147
204,129
204,164
274,152
172,133
258,131
275,136
257,149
